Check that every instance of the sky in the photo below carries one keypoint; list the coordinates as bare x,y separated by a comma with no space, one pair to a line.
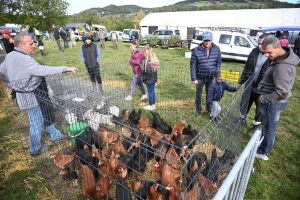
77,6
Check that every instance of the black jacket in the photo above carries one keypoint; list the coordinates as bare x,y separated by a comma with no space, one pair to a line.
90,55
9,47
56,34
297,43
149,74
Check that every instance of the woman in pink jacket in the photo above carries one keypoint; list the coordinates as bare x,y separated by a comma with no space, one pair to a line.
136,59
284,42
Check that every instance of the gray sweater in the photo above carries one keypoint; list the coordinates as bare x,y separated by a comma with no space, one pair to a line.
279,78
19,67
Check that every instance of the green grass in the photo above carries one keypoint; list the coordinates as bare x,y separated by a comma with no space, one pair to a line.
277,178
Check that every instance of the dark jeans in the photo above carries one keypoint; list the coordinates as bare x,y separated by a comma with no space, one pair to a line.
59,45
297,51
270,114
199,89
94,74
254,97
151,93
42,52
66,44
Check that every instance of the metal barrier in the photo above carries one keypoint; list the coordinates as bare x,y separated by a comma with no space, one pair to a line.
234,186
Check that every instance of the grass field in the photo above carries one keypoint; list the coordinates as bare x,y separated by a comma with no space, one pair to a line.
277,178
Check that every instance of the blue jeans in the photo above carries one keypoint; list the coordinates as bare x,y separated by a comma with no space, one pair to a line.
199,89
59,45
137,80
270,114
151,93
36,124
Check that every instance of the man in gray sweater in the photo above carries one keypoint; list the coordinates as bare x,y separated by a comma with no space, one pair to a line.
26,77
274,89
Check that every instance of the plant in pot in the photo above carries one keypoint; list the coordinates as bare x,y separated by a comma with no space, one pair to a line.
142,40
165,43
153,40
174,40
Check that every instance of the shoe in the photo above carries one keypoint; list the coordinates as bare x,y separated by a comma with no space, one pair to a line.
197,113
144,97
149,107
63,138
253,129
42,150
264,157
128,98
237,121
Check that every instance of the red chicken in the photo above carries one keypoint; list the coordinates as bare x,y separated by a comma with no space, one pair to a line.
153,193
208,185
154,138
177,129
62,160
117,148
143,123
102,187
121,171
113,162
173,159
171,192
194,194
108,136
103,167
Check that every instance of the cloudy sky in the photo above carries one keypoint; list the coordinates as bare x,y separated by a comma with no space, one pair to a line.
77,6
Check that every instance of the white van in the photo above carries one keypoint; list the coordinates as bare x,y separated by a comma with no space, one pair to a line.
125,36
233,45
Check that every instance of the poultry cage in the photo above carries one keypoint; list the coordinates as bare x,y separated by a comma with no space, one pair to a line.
118,150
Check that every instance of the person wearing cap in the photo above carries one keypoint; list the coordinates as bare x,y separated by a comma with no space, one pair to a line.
215,93
90,56
26,78
8,46
57,38
205,63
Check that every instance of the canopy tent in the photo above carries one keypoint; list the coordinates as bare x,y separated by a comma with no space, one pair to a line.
280,28
247,18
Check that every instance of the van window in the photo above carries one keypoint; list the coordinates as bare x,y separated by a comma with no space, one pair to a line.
225,39
168,32
198,35
241,41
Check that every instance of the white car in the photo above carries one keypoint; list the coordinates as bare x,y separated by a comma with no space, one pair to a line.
76,36
120,34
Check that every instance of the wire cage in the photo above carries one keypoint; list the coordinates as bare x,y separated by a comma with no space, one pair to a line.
117,149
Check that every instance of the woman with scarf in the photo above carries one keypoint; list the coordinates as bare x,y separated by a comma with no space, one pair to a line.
90,56
149,66
136,59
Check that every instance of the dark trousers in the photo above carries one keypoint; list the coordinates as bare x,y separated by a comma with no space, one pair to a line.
199,89
254,97
94,74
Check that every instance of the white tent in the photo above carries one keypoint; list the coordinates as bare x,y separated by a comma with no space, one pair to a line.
248,18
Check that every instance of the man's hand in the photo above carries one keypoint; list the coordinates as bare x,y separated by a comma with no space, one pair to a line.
72,69
238,86
195,82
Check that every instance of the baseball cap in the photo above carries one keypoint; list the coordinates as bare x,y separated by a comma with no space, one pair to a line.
5,31
207,36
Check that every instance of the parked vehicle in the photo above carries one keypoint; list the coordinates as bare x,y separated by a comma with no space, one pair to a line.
163,33
233,45
11,27
125,36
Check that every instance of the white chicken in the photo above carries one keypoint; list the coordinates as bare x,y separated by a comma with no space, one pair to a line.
95,118
114,110
70,117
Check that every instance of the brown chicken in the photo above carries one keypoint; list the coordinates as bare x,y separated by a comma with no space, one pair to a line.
208,186
177,129
173,159
153,193
193,194
107,136
143,123
88,179
121,171
62,160
121,120
158,169
117,148
103,167
171,192
154,138
113,162
102,187
169,175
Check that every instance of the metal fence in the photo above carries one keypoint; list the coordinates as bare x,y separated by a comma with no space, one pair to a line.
168,151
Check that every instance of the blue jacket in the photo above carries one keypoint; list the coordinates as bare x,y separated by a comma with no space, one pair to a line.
216,90
202,66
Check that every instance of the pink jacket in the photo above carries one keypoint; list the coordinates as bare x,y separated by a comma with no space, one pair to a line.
284,42
135,61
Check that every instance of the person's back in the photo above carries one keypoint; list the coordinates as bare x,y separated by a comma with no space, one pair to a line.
114,35
284,42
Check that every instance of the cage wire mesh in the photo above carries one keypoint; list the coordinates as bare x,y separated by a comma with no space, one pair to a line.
118,150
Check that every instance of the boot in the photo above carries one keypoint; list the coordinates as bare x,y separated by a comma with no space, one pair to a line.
253,129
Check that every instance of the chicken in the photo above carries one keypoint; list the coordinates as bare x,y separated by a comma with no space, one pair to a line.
162,148
128,159
134,117
226,161
153,193
158,169
208,186
184,142
88,140
177,129
143,123
103,167
196,161
68,173
187,130
88,180
173,159
141,188
108,136
118,147
121,171
171,192
196,193
113,162
154,138
102,187
122,190
159,124
212,169
121,120
140,161
70,117
95,119
169,175
62,160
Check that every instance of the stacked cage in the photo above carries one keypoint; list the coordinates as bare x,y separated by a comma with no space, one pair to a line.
119,151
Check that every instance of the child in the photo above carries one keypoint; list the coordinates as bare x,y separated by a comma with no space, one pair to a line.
41,47
215,94
149,66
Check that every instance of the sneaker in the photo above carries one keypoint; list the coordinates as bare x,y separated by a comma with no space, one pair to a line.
144,97
128,98
149,107
238,121
63,138
42,150
264,157
253,129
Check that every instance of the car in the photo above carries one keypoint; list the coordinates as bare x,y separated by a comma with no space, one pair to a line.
76,36
125,36
163,33
120,34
